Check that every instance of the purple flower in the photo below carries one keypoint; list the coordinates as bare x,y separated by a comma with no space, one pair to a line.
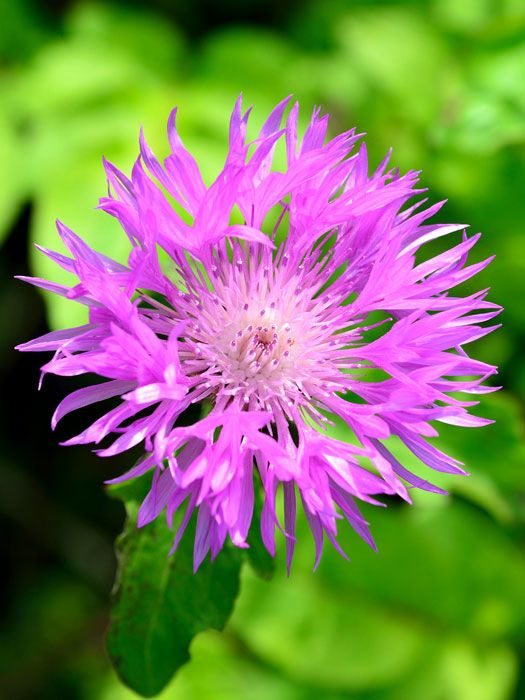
314,307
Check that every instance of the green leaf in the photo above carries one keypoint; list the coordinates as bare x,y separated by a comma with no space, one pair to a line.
160,605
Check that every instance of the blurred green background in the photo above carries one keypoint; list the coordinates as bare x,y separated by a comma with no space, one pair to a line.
439,613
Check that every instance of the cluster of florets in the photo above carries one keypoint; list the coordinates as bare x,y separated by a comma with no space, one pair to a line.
277,325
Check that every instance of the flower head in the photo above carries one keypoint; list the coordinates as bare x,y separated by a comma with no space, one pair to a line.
311,308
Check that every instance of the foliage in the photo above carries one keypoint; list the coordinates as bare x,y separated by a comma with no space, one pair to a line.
159,605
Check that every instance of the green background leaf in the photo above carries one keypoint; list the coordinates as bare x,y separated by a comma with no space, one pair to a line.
160,605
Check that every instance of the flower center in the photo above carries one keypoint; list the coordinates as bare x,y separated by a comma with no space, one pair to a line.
251,340
260,338
260,351
253,355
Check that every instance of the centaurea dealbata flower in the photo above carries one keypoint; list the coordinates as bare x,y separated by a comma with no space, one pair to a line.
271,325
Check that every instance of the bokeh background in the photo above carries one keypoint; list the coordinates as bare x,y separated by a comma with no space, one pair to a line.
439,613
